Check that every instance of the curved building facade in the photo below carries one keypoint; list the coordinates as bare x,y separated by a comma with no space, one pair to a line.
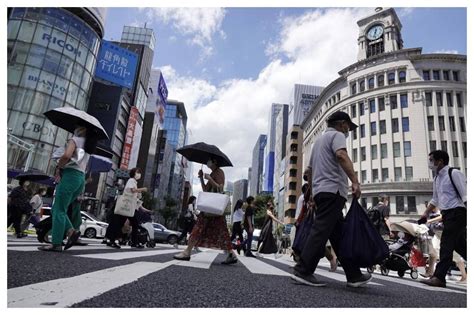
51,61
406,104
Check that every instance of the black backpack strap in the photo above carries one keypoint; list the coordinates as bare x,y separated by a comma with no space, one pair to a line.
450,172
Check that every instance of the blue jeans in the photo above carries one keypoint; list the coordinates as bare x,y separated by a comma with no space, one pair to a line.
248,243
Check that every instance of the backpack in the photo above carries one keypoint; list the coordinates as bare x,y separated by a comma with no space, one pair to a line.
375,217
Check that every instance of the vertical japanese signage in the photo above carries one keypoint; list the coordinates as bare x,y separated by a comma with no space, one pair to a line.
116,64
127,146
161,100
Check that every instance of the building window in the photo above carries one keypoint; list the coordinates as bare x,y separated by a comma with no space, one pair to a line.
462,125
361,109
439,98
292,199
384,174
464,149
354,155
362,154
409,173
362,86
371,83
456,75
403,100
429,98
292,186
402,77
353,110
452,125
431,123
383,151
459,99
432,145
398,174
393,102
449,99
455,149
364,176
373,128
381,101
446,75
411,200
362,131
380,80
396,149
293,172
375,176
399,204
363,202
383,127
372,105
436,75
407,148
373,151
354,135
391,78
444,146
395,127
354,89
441,123
405,124
426,75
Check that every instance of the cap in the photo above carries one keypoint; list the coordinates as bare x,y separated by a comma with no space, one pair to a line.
342,116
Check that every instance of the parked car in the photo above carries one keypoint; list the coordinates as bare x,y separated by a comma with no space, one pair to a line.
162,234
91,227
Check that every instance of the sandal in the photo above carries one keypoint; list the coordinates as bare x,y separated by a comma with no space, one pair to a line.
182,256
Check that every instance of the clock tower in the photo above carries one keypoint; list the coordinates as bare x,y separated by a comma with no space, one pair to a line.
379,33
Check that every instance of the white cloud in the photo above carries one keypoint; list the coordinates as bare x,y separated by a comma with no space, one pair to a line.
446,51
232,115
405,12
198,24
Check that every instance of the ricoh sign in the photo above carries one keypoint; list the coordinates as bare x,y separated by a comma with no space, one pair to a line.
61,43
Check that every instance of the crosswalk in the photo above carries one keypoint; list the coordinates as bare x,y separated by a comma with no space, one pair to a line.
54,293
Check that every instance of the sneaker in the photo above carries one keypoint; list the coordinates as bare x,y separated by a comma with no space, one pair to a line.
306,279
434,282
231,259
113,245
72,239
249,254
360,281
181,256
137,246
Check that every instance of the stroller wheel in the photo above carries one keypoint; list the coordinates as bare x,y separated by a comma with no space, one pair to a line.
384,271
371,269
401,273
414,274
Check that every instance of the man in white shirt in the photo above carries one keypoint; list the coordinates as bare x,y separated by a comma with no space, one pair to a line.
450,196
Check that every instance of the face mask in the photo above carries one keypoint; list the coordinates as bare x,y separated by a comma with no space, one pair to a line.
346,134
43,194
78,132
26,183
138,176
209,164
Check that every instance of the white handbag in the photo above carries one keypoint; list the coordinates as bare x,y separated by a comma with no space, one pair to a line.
126,205
213,203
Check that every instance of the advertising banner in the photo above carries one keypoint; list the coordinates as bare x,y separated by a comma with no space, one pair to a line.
129,136
116,64
161,100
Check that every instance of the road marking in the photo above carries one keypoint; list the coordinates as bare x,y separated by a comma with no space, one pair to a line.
68,291
257,266
201,260
416,284
127,255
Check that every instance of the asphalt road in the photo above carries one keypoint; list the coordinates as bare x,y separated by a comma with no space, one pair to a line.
95,276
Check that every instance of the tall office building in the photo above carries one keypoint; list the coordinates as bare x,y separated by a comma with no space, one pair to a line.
269,162
281,132
406,104
257,166
240,192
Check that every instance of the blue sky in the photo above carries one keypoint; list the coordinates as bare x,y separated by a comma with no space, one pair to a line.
229,65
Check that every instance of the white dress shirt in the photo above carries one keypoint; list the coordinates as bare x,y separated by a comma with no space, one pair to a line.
299,206
444,194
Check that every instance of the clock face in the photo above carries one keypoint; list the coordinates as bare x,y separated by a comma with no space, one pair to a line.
375,32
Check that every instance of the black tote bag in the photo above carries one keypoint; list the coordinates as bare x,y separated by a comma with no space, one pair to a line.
361,244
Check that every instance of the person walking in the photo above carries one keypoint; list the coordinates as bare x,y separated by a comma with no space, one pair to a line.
190,218
266,242
249,225
450,196
36,203
330,167
210,230
237,219
19,205
70,176
114,230
382,216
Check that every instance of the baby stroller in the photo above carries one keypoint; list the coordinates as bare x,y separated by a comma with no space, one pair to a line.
406,253
146,232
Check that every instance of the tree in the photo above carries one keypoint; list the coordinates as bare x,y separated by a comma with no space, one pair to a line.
169,211
261,209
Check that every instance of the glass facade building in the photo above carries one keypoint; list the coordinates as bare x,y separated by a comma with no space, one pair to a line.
51,61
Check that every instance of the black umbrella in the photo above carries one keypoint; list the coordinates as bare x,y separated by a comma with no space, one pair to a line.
33,176
68,118
201,152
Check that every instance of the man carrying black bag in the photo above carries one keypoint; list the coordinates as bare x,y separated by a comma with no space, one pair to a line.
330,167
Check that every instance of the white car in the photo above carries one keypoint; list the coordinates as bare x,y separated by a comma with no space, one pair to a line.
91,227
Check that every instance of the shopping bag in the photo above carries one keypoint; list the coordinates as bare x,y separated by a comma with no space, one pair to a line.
126,205
361,244
212,203
302,232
